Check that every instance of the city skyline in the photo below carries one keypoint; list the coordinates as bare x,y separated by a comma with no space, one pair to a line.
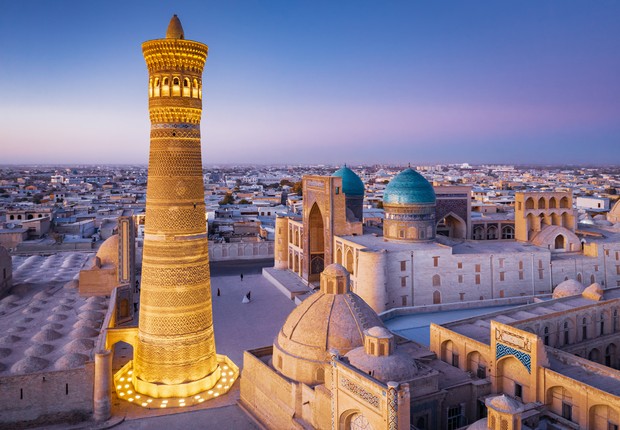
320,83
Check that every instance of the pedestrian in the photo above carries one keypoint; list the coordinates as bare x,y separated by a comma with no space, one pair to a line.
242,276
218,292
249,295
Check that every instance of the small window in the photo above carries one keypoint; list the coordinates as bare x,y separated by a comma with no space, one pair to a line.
520,265
455,360
520,275
477,268
337,190
175,81
460,279
403,281
567,411
477,279
459,265
403,266
518,391
435,261
501,276
404,300
501,263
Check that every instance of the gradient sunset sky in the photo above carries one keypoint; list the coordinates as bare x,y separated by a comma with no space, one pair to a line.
321,82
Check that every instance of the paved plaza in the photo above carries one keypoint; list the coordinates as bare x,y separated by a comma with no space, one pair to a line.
238,326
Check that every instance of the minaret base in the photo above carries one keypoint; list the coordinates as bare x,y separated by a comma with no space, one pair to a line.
156,396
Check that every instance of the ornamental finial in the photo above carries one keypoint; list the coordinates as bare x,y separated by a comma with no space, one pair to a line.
175,29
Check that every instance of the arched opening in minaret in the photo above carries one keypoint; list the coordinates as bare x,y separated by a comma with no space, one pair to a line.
316,244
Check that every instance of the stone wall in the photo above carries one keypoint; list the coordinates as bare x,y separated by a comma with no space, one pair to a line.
240,250
47,397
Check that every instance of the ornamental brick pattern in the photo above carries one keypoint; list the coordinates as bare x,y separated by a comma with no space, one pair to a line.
175,335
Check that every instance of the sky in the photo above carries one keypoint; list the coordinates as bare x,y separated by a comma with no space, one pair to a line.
516,82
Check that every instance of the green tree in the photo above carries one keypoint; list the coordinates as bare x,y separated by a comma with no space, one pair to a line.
227,200
245,202
298,188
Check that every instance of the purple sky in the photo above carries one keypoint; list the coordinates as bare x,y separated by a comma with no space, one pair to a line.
321,82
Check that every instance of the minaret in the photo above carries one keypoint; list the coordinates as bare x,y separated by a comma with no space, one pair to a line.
175,348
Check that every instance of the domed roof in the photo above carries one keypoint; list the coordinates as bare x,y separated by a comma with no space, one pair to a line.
504,403
380,332
352,185
175,29
325,321
409,187
570,287
397,367
108,251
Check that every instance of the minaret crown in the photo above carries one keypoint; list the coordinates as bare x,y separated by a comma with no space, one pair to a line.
175,29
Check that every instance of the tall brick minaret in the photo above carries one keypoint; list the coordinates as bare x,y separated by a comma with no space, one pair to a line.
175,348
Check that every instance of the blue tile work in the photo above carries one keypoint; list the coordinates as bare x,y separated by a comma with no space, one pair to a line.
502,350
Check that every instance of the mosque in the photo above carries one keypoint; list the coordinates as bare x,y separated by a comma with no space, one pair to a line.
406,263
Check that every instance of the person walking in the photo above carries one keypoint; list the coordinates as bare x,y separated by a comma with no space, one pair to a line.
242,277
218,292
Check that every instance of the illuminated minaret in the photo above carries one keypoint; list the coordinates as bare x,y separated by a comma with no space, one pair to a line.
175,347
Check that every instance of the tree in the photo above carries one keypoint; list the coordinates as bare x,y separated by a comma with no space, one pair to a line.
286,182
245,202
298,188
227,200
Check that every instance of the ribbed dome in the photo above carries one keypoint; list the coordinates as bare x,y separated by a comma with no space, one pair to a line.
352,185
409,187
175,29
321,323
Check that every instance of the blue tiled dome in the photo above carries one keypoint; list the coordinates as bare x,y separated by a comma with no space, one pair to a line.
352,185
409,187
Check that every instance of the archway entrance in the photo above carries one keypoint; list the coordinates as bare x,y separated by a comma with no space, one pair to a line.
452,226
316,240
559,242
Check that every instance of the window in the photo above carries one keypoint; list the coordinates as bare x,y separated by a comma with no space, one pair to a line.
596,267
520,275
459,265
501,263
337,190
518,391
455,360
501,276
566,333
460,279
403,281
481,372
477,279
520,265
404,300
541,273
567,411
455,417
546,338
477,268
403,266
435,261
584,329
436,281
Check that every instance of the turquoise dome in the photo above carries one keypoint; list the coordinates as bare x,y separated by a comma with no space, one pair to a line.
352,185
409,187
